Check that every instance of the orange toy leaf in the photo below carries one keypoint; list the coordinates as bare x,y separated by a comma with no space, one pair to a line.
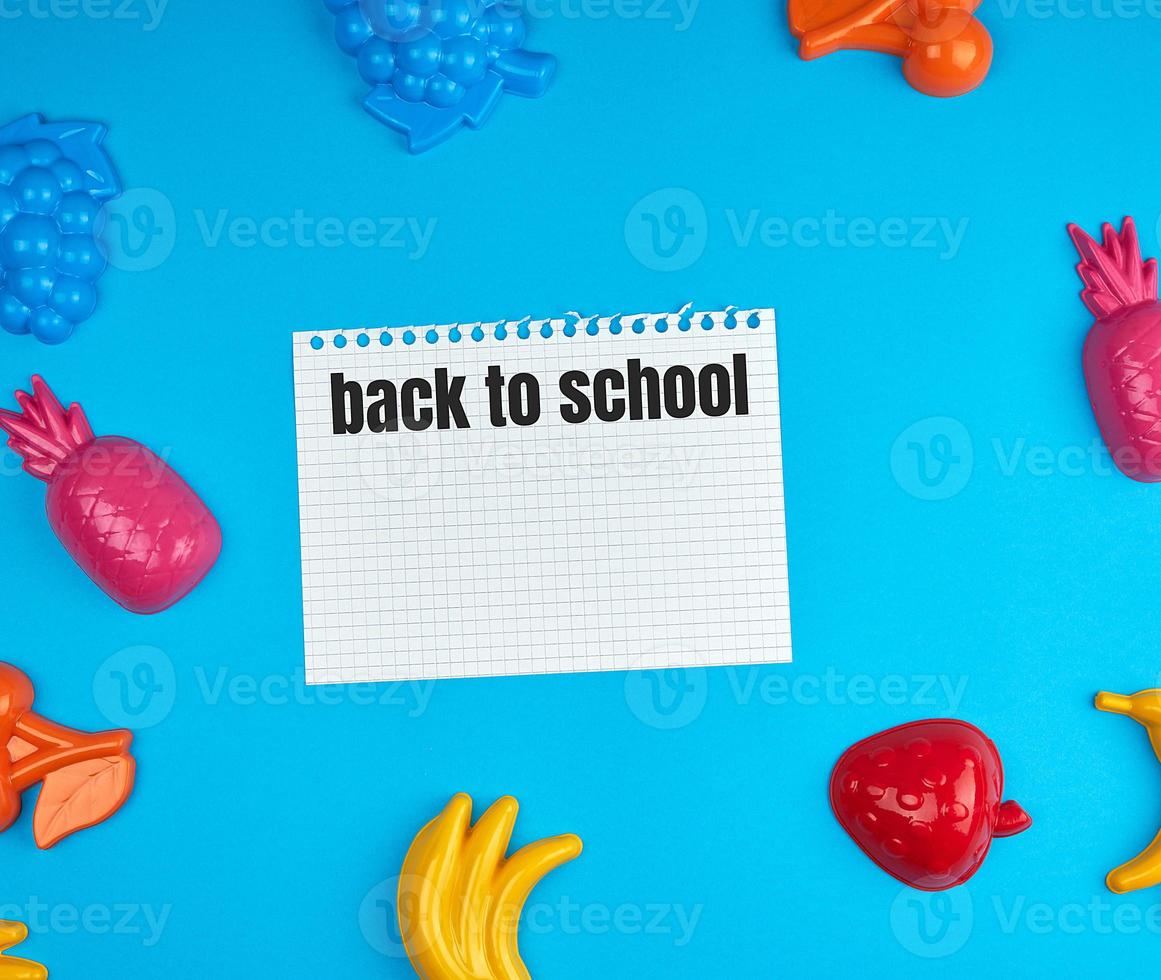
80,796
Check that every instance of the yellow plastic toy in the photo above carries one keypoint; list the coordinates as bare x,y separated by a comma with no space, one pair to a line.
1144,871
460,898
12,967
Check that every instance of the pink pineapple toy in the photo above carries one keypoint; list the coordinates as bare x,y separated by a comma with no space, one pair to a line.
1122,355
133,525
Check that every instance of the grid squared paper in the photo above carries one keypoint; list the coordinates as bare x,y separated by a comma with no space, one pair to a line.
546,548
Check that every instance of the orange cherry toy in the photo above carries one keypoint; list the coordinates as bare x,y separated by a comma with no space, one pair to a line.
945,50
84,778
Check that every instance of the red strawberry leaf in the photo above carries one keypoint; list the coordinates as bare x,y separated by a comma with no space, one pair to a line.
81,796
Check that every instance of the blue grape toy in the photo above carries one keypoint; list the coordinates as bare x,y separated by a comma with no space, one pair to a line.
54,179
437,65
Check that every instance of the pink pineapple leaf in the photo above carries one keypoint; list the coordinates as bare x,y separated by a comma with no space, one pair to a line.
1113,274
45,435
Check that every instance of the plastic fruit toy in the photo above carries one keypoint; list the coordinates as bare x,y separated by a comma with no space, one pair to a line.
131,523
1144,871
945,50
54,179
1122,355
12,967
460,898
923,801
436,65
84,779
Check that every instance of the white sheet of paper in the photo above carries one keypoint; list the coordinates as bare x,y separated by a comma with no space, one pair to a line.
551,546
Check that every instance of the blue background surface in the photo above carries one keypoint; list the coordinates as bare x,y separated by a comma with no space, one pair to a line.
261,821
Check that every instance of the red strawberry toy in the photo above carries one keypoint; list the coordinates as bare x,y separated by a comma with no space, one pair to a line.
923,801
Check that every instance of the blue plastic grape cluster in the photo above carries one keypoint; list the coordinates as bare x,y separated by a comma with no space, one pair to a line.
436,65
54,179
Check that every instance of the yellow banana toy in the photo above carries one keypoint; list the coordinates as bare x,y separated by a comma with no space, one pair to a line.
1144,871
11,967
460,898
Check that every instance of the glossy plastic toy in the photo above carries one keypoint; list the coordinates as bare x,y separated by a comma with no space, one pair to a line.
1122,355
437,65
1143,871
945,50
54,179
84,779
133,525
12,967
460,898
923,801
